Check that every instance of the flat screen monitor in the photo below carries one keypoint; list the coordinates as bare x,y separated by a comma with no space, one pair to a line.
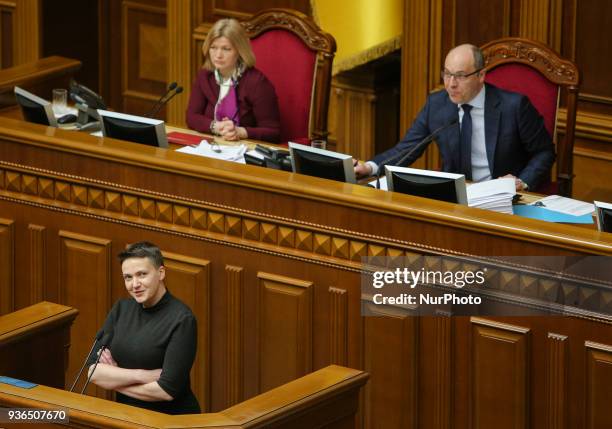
35,109
604,216
428,184
321,163
137,129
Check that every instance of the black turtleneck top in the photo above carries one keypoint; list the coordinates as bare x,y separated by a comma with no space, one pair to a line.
163,336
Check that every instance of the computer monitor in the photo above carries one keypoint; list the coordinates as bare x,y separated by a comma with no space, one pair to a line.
137,129
428,184
604,216
35,109
321,163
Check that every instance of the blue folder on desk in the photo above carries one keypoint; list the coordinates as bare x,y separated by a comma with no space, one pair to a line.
542,213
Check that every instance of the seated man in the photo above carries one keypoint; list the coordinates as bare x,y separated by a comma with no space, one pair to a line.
500,133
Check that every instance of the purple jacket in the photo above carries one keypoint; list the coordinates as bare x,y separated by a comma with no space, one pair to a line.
257,104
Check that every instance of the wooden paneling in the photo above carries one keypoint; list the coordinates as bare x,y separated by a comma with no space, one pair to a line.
38,269
589,45
235,334
26,36
34,343
180,19
145,54
499,375
7,22
556,385
7,259
598,385
239,9
390,355
338,326
285,329
84,279
188,279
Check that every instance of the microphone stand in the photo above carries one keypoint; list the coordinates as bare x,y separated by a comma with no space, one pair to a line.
170,88
98,336
418,146
163,103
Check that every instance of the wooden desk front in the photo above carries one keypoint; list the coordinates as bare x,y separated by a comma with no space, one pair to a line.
270,263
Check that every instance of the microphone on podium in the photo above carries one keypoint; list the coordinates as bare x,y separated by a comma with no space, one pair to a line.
98,336
171,87
106,340
417,147
178,90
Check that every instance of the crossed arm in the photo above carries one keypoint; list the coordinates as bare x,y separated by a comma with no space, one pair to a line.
136,383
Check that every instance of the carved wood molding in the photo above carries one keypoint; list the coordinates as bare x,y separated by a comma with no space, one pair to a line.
296,22
557,380
234,279
511,281
561,72
7,259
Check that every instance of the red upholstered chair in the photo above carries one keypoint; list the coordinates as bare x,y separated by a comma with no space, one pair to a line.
535,70
296,55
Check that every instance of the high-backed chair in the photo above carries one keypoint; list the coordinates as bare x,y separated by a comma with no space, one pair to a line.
296,55
533,69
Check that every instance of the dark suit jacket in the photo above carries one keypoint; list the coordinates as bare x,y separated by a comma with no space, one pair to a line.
516,141
257,104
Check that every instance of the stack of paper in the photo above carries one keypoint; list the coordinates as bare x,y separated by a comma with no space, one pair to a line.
493,195
226,153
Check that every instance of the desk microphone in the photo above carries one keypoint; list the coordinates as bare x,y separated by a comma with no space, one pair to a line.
423,143
178,90
158,102
106,340
98,336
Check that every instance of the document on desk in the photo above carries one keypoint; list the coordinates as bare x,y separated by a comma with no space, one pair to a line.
493,195
223,152
565,205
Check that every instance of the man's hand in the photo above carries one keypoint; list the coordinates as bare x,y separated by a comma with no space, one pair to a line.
518,183
362,170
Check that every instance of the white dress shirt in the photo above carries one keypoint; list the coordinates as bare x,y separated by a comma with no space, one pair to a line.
480,163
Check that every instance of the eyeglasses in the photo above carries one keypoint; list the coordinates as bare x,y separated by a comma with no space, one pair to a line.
459,77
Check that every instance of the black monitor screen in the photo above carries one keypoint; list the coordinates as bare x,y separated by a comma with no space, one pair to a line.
318,165
32,111
605,217
131,131
437,188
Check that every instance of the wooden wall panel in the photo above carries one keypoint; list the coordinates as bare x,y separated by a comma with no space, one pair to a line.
598,385
26,36
338,326
145,55
240,9
38,260
235,335
7,259
285,329
556,385
188,279
85,283
499,375
390,356
7,23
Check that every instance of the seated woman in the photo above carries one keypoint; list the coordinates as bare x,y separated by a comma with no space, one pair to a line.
230,97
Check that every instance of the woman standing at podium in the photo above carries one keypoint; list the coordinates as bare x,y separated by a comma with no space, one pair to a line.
151,339
230,97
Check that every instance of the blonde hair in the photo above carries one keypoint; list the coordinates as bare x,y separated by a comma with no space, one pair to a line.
235,33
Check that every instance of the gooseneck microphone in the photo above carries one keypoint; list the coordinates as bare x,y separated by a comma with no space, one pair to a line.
423,143
98,336
106,340
178,90
171,87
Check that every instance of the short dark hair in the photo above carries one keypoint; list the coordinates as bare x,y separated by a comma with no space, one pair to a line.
478,58
143,249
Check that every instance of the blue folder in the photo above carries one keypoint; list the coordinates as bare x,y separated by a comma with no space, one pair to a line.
542,213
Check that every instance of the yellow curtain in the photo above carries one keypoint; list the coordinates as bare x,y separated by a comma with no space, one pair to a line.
364,29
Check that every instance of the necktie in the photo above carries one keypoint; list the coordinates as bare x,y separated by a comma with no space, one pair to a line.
466,142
